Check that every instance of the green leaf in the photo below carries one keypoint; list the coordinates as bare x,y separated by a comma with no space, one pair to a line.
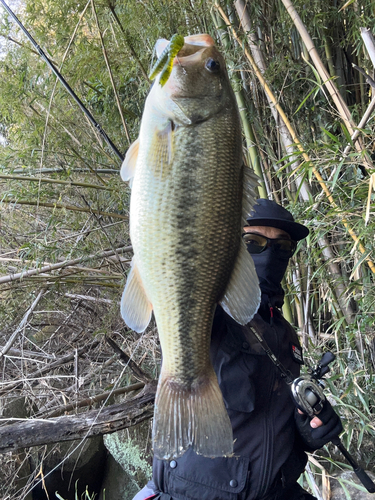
331,136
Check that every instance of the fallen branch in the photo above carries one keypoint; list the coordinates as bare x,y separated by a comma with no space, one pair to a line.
54,181
66,207
34,376
38,432
89,298
65,263
137,371
26,354
95,399
22,325
57,169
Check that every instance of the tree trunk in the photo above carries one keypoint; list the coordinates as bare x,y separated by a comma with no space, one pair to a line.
37,432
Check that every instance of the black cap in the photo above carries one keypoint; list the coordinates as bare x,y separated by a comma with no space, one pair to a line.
268,213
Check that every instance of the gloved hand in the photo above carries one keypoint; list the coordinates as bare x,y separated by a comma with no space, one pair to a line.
318,437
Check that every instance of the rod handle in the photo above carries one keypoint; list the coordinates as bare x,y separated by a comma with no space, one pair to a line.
365,479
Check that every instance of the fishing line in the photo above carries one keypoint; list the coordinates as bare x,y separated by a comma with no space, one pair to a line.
64,83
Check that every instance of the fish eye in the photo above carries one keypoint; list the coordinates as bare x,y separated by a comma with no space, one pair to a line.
212,65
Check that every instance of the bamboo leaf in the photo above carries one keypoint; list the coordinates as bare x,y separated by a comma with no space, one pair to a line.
331,136
349,2
313,91
337,173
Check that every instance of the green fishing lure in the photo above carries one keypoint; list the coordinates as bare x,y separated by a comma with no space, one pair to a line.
164,63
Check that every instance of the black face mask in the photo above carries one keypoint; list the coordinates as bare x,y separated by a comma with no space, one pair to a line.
270,268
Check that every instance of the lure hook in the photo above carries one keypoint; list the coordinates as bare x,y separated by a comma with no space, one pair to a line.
164,63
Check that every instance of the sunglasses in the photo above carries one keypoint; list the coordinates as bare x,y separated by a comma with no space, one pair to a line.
257,243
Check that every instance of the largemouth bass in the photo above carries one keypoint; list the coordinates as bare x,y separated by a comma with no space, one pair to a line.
190,191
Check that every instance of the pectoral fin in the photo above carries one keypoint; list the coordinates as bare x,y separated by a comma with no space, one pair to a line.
128,165
160,153
242,297
136,309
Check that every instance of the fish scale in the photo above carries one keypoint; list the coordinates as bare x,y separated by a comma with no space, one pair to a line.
187,176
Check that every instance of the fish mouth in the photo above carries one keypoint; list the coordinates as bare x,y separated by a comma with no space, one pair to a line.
192,44
201,96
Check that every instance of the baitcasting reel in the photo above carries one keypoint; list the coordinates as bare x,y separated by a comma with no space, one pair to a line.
307,391
308,395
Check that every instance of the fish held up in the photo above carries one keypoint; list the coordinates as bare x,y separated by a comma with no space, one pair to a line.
190,198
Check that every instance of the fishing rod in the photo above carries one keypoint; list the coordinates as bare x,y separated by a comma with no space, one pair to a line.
64,83
307,394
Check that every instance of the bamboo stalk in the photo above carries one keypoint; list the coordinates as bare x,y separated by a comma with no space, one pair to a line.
61,265
252,150
370,46
54,181
95,172
285,136
332,89
328,51
110,72
20,44
66,207
287,309
298,300
127,41
251,144
361,124
369,41
29,355
76,269
283,116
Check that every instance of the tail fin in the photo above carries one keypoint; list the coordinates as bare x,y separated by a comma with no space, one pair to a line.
191,416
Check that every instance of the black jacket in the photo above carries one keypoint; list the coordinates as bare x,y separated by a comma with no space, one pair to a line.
267,452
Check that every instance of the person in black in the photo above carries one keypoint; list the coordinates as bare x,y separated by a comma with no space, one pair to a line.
271,435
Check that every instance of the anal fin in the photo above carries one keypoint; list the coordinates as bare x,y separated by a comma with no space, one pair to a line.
242,296
136,309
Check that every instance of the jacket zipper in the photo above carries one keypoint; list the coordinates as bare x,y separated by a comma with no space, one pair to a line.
267,458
